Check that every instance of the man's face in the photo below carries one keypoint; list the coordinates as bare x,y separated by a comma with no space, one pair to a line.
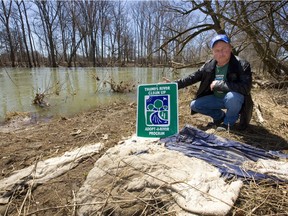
222,52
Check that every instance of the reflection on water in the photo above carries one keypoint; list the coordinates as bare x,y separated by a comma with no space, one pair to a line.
70,90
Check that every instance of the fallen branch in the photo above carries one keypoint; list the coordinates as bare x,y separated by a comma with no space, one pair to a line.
39,100
270,84
121,87
259,114
177,65
43,171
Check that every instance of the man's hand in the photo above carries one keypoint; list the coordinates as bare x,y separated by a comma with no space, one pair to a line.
213,84
166,80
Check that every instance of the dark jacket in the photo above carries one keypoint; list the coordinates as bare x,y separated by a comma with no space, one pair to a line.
239,79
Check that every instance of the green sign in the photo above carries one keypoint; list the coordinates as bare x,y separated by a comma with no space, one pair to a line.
157,110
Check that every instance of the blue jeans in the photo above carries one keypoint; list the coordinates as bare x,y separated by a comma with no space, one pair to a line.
212,106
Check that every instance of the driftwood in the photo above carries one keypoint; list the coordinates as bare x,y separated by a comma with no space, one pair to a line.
259,113
177,65
39,100
43,171
121,87
271,84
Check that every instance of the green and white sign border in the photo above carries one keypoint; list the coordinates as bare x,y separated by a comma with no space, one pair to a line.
168,124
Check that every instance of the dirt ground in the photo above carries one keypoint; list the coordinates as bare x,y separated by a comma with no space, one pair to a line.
25,142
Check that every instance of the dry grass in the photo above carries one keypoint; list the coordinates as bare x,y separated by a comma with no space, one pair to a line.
262,198
14,115
256,198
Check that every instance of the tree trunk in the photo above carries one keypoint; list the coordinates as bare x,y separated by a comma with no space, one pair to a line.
29,36
5,19
24,34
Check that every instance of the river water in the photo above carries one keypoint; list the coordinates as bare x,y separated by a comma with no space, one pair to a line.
72,90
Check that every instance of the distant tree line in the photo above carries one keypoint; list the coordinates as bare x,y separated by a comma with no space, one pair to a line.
144,33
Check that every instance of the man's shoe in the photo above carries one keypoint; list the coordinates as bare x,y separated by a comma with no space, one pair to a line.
216,123
223,127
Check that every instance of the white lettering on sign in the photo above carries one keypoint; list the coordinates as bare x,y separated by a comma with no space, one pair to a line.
149,128
162,129
164,88
151,89
156,133
153,92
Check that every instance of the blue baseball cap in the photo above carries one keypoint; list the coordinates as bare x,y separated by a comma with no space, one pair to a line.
220,37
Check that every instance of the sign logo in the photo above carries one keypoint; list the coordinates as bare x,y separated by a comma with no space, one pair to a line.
157,110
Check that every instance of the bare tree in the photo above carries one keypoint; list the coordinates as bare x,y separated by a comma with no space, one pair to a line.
119,33
147,32
73,30
24,32
64,25
258,20
139,19
255,21
105,8
49,12
29,33
5,19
